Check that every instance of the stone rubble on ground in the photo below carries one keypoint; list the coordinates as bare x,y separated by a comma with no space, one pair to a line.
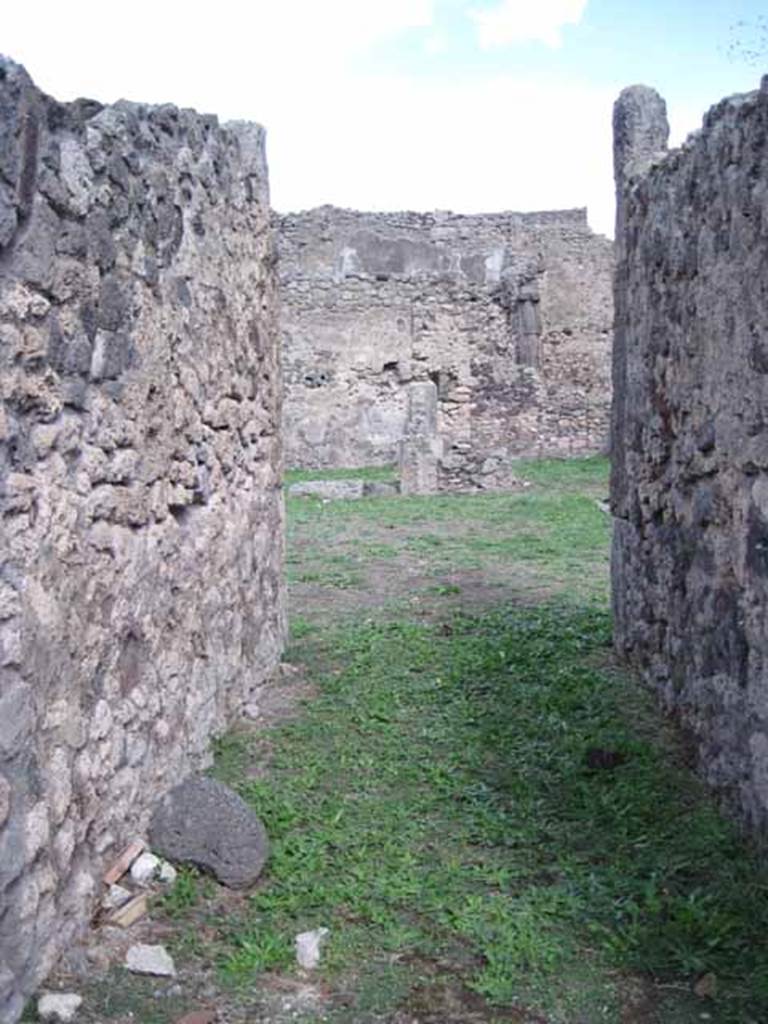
145,868
155,960
204,823
331,489
138,866
124,861
130,912
59,1007
308,948
381,488
352,489
115,896
167,874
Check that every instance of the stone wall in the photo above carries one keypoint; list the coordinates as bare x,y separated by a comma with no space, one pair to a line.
509,314
690,428
140,554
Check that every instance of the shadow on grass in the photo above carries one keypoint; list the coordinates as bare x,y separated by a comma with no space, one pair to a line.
634,853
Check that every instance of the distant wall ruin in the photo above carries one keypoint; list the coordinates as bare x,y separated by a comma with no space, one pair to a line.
509,314
690,428
140,556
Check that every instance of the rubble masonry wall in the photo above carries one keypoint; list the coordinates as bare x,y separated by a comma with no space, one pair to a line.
690,429
509,314
140,474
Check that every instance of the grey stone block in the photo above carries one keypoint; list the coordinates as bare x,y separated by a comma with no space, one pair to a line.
381,488
349,490
204,823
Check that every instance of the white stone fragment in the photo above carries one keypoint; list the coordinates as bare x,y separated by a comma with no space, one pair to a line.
145,868
115,897
60,1007
167,874
156,960
308,948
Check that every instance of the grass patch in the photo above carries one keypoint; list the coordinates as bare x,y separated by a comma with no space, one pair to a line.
121,997
493,821
550,535
436,804
300,627
582,473
329,578
190,887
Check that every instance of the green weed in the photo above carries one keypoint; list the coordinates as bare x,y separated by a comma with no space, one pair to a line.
301,627
435,802
186,892
445,589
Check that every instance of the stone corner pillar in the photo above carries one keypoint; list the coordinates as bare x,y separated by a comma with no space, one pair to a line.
640,136
420,449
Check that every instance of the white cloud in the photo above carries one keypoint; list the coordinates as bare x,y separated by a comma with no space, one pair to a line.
224,57
339,26
435,44
426,144
336,131
518,21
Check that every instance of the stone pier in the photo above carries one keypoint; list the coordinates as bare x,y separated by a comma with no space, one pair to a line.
421,448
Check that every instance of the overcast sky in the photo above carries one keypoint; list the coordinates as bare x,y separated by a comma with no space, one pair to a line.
470,105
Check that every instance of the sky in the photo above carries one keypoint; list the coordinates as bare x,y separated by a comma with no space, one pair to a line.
464,105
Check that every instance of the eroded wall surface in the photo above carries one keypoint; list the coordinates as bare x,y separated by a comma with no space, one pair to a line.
140,554
509,314
690,474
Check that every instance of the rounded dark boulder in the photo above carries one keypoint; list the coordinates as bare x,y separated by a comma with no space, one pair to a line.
204,823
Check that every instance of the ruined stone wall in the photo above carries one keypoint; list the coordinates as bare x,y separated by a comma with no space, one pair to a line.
140,553
509,314
690,474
